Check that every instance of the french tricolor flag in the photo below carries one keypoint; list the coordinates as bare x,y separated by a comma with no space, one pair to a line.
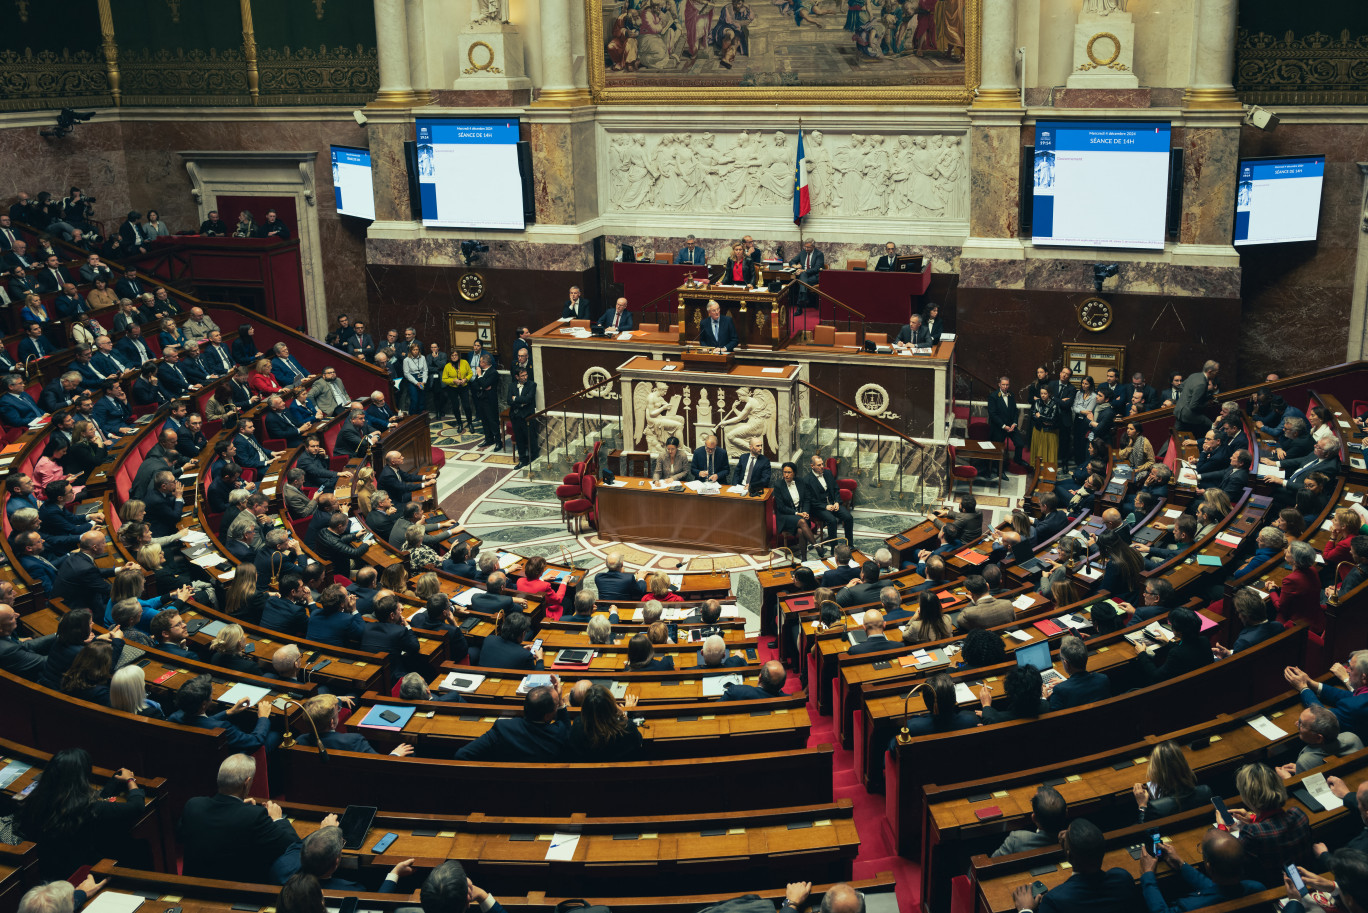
802,204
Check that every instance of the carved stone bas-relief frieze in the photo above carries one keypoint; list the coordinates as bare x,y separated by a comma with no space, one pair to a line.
910,176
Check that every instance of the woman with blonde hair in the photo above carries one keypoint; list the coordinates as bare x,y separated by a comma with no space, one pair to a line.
244,600
229,650
396,578
1273,833
128,692
427,585
129,583
659,587
171,576
365,489
1344,525
261,379
86,451
1217,499
135,511
1172,786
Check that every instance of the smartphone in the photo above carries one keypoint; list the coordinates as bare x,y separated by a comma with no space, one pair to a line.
313,657
536,644
1038,888
384,842
1156,842
250,648
1226,817
389,716
143,663
1296,879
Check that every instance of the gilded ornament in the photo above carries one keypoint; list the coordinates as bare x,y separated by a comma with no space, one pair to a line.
487,66
760,320
1116,49
1095,314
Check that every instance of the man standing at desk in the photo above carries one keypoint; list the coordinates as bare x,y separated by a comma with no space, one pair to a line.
691,254
889,261
576,308
709,463
718,331
810,263
618,320
825,496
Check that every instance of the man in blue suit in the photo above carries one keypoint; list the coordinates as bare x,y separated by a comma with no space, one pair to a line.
17,408
540,736
133,349
281,426
617,320
287,369
20,488
615,583
195,698
718,331
772,678
29,547
1325,458
753,468
112,413
1082,686
809,263
691,253
33,345
105,360
1349,701
710,462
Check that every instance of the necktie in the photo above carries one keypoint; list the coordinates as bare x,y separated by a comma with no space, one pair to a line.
710,463
750,463
616,316
717,335
291,363
808,264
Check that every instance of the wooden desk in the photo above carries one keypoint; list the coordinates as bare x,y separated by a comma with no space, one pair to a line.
761,316
724,521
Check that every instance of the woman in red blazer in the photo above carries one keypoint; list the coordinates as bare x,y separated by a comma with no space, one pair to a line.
262,381
659,589
1343,525
532,584
1298,598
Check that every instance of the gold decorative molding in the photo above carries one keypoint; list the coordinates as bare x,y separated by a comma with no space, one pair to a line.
1311,69
175,9
562,98
318,76
249,51
826,94
1220,99
22,7
44,79
181,77
318,8
997,98
111,50
1110,62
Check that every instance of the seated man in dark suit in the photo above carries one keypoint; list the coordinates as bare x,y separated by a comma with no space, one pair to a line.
287,613
615,583
225,837
1081,686
691,253
867,590
810,262
842,573
888,260
413,687
321,710
391,634
80,581
1254,624
1049,814
618,320
194,700
383,516
772,678
753,468
459,562
1233,480
714,654
17,408
494,599
337,621
24,657
718,330
279,555
316,465
968,522
576,307
540,736
875,640
1052,520
710,462
505,650
355,438
282,426
1324,459
60,392
913,334
1089,888
825,498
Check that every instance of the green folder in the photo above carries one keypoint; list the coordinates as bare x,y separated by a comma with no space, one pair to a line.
1209,560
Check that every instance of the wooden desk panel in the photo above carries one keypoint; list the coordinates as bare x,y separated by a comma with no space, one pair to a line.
722,521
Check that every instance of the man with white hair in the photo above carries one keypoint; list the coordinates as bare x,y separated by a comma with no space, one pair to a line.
397,482
286,663
714,654
1348,701
231,836
59,896
615,583
379,416
282,426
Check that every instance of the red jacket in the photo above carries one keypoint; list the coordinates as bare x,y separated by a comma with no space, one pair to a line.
1299,599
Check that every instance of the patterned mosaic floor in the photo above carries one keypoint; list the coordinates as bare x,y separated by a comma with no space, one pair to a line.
512,513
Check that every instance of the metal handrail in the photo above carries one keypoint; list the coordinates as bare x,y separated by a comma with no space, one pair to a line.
576,395
845,405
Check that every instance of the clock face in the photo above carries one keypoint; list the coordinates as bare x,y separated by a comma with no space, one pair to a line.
1095,314
471,286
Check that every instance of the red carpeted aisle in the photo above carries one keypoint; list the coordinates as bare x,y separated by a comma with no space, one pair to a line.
876,855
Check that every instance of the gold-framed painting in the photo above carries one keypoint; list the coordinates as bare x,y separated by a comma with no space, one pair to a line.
783,51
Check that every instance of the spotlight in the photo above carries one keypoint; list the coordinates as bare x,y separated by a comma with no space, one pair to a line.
1101,273
471,251
361,119
1260,117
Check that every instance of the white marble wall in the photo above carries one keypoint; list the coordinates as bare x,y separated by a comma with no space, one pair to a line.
905,179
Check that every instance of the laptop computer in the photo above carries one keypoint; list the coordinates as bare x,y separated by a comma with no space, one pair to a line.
1038,655
1026,559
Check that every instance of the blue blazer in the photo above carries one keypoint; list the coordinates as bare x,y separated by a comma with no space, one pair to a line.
626,322
112,414
760,475
18,409
34,348
339,629
515,739
284,370
280,427
619,585
39,570
696,257
698,467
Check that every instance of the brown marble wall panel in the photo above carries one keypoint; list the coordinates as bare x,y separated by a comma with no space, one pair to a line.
421,297
482,98
1210,163
91,158
910,395
1045,96
1297,296
1014,330
446,251
553,179
1102,98
994,179
390,171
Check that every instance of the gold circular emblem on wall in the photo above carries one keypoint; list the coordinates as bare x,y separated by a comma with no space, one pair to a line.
471,286
489,61
1116,49
1095,314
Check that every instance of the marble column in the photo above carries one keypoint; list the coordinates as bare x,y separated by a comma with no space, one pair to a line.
998,82
1358,309
391,42
1211,154
417,52
558,52
1213,69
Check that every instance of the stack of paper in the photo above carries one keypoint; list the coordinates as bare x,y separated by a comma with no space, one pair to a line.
715,685
1024,601
1266,727
507,560
963,694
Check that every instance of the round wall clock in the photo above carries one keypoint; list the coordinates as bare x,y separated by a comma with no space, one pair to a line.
471,286
1095,314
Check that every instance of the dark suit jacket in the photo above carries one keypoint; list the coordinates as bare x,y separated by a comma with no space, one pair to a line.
388,637
351,442
783,504
860,593
619,585
818,498
1110,891
340,629
1050,525
625,322
516,740
809,275
695,257
82,584
1080,689
522,405
284,616
280,428
838,576
498,653
726,337
1191,398
760,475
1232,481
225,838
874,645
579,310
748,693
163,513
26,659
886,264
747,273
398,483
50,283
923,337
699,465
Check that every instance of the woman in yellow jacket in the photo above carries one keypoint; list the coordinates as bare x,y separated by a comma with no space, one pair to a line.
456,379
